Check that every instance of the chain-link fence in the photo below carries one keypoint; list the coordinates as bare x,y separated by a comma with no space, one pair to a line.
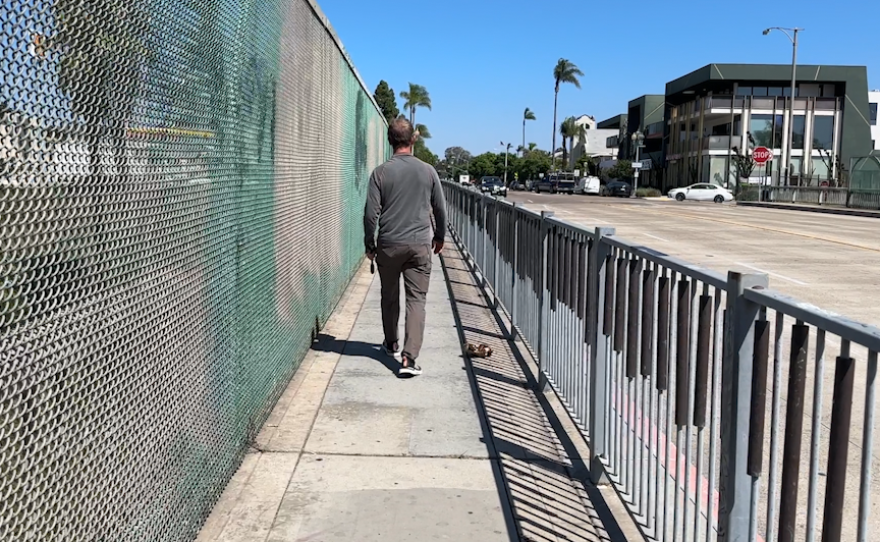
181,186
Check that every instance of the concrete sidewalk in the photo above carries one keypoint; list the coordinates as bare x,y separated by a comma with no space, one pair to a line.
465,452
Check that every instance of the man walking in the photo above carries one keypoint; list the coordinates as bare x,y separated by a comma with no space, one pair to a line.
402,194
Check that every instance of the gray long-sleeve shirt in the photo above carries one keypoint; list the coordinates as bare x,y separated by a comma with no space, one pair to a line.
402,193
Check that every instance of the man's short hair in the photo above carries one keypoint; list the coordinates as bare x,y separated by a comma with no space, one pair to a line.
400,133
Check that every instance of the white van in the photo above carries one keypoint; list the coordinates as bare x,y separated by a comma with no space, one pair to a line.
588,185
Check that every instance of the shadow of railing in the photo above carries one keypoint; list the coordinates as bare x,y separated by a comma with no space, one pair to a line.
547,483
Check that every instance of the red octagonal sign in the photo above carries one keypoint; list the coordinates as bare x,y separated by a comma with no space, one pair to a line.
762,155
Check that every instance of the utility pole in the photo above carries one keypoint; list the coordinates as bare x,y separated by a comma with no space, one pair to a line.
792,34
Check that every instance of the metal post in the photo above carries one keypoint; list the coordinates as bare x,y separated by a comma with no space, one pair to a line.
736,382
599,349
483,235
636,172
513,274
542,306
496,249
791,108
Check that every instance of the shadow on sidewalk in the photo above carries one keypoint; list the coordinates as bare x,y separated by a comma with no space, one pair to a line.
550,496
329,343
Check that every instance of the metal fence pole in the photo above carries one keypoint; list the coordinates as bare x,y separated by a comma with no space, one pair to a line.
596,282
735,484
496,245
484,233
542,305
513,275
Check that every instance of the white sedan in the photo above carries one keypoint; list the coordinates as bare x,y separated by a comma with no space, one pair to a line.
701,192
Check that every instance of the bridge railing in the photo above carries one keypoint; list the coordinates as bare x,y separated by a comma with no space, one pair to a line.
834,197
663,367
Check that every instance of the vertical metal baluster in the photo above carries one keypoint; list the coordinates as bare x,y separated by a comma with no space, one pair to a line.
632,366
702,394
682,404
715,395
816,428
670,419
794,428
838,448
647,421
691,386
619,337
584,257
662,385
867,448
774,427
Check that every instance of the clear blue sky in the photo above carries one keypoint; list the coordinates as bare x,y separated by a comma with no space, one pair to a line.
484,61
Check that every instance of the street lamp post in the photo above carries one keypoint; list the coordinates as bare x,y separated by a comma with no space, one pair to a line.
792,34
506,152
637,138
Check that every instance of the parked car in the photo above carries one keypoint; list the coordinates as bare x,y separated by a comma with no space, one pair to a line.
556,182
588,185
701,192
493,186
618,189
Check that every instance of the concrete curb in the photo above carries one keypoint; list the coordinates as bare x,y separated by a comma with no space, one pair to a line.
810,209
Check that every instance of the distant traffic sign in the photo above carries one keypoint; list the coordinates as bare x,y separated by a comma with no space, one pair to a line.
762,155
637,165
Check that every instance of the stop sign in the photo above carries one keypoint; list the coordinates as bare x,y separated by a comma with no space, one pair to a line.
762,155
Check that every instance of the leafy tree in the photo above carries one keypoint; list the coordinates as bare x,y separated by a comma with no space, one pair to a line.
588,165
384,96
570,130
528,114
564,72
456,160
417,96
743,163
533,163
423,131
423,153
483,164
621,170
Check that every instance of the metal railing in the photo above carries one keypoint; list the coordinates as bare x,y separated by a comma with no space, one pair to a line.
835,197
663,366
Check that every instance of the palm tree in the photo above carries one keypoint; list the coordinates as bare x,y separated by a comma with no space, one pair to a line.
423,132
564,72
417,96
528,114
567,130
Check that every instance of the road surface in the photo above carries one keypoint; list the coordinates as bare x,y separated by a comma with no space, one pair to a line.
831,261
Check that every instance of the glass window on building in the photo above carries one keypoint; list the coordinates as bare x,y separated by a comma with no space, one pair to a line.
820,169
759,91
761,127
744,91
799,130
774,91
778,131
872,109
823,132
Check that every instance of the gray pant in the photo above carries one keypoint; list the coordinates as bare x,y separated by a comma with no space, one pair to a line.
414,262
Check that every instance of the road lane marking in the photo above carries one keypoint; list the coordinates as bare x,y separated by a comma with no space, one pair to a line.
772,274
655,237
763,228
530,201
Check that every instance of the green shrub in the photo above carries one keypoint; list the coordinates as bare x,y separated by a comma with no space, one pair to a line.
750,193
648,193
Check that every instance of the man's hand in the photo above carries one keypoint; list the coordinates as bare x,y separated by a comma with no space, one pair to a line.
371,255
437,246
